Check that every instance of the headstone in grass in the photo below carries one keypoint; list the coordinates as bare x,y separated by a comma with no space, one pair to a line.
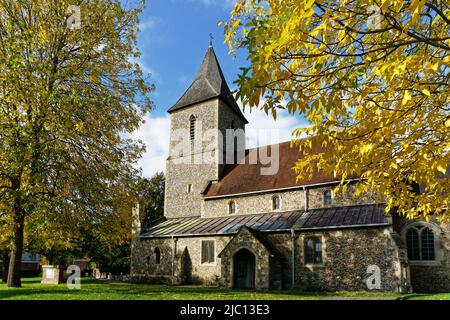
53,274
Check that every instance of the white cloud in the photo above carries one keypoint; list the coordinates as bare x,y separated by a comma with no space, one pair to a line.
263,129
154,133
147,24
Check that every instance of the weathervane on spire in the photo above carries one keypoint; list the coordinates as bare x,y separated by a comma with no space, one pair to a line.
210,39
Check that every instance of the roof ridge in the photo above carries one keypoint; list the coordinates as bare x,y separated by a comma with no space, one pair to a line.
280,143
268,145
210,85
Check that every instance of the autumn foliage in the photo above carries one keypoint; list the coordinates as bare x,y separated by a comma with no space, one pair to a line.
69,94
372,79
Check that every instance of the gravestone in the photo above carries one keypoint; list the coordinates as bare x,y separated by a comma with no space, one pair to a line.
52,274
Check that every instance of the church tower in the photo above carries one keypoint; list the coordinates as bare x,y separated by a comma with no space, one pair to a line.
199,124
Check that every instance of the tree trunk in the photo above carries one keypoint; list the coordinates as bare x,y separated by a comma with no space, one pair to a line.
5,265
15,262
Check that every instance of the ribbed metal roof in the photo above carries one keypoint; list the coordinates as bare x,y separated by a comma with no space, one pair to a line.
324,218
222,225
338,217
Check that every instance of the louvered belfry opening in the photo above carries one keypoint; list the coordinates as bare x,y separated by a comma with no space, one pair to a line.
192,122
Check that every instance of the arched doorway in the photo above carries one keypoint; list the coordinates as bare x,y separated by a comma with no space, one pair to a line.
244,270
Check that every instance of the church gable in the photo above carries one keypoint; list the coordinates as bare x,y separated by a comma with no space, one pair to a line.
252,240
249,260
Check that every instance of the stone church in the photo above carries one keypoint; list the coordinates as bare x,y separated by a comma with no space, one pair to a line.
233,225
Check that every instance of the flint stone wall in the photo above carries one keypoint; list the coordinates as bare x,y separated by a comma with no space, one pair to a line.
430,276
187,267
290,200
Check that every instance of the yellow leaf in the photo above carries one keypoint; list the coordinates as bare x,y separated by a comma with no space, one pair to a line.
441,168
406,97
366,148
447,123
426,92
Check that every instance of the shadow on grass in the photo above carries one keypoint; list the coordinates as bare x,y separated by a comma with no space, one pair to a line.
113,290
426,296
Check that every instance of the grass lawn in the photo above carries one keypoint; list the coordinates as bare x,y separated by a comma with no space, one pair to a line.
92,289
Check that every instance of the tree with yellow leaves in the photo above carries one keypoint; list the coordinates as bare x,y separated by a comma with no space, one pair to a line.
69,93
372,79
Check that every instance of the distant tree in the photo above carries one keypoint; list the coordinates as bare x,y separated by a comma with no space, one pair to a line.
111,258
108,244
60,241
69,94
151,198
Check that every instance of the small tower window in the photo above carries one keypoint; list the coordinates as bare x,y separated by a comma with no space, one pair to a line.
232,207
189,188
276,203
192,124
157,256
327,198
232,126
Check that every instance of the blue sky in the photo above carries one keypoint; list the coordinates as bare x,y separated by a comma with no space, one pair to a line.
173,40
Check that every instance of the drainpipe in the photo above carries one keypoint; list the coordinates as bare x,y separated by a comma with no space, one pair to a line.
174,245
305,192
292,259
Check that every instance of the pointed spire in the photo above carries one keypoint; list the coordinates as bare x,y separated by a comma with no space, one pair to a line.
209,83
210,39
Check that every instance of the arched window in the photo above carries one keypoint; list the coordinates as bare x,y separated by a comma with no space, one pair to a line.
192,120
327,198
313,250
420,243
232,207
427,242
157,255
412,243
276,203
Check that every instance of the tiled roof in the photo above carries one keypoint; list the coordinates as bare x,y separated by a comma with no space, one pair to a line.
246,176
208,84
339,217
